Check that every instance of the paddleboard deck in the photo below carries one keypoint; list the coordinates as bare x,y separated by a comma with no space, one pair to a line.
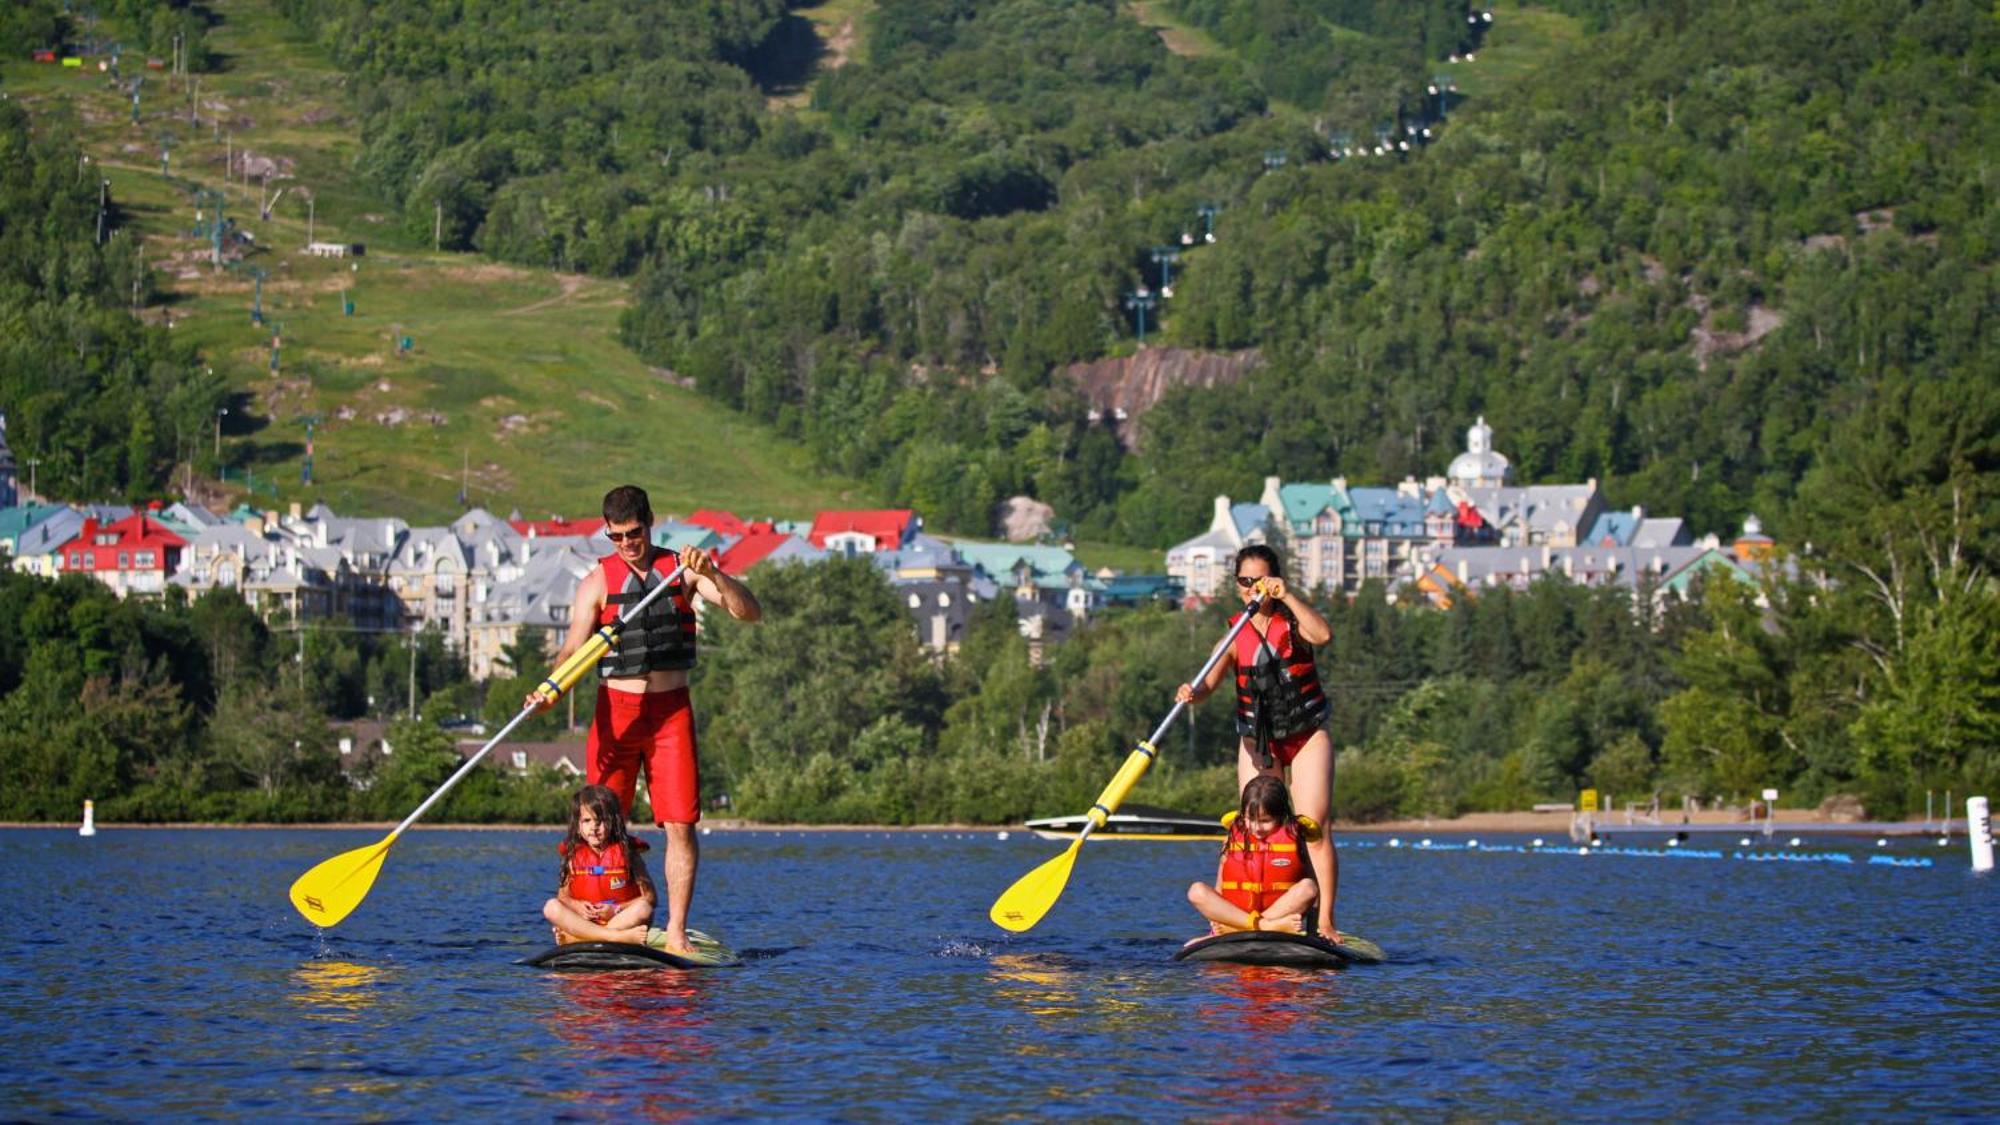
600,956
1298,951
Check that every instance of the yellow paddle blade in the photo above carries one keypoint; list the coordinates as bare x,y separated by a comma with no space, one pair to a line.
331,891
1023,904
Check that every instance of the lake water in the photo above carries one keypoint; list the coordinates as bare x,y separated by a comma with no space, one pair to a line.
162,973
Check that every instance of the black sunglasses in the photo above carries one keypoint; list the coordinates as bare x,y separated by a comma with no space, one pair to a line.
1246,583
637,534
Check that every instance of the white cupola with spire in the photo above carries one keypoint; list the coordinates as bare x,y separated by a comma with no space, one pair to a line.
1479,466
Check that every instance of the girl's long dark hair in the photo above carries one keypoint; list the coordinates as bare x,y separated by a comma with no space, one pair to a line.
1264,796
611,814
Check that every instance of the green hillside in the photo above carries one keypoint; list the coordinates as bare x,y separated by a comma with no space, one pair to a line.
515,380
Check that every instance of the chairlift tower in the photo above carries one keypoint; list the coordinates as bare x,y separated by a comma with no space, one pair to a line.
1165,257
1139,301
306,469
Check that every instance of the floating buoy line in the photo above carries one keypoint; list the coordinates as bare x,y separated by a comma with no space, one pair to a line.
1538,846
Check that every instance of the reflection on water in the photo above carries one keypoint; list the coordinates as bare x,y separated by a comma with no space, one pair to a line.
1610,986
1038,983
651,1018
334,989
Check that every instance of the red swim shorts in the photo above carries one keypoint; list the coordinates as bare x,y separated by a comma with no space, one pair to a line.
653,729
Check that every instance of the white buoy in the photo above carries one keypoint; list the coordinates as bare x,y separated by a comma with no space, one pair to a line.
706,831
1795,841
1744,842
1472,843
1426,842
1002,834
1583,851
1944,841
90,820
1882,843
1395,841
1538,841
1979,825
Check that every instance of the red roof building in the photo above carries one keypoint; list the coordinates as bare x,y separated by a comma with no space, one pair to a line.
556,526
132,556
874,530
714,519
755,545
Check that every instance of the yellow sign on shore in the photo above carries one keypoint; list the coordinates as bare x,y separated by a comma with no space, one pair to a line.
1587,801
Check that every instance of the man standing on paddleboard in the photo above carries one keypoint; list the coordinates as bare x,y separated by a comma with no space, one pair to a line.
643,718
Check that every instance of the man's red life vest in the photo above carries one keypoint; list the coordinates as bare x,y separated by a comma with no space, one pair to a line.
663,635
1275,672
1255,873
603,877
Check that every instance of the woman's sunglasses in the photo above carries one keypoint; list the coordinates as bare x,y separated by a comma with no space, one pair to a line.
1246,583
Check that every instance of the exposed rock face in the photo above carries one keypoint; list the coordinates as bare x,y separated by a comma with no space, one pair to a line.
1842,809
1124,388
1025,519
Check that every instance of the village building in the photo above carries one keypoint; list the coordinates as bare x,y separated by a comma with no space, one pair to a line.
133,555
10,487
1203,563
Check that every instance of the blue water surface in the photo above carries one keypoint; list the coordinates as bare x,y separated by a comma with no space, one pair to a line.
162,973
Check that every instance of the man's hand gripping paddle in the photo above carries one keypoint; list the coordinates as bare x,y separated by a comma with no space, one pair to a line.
331,891
1023,904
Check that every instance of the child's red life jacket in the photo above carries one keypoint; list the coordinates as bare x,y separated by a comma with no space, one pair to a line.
1255,873
603,877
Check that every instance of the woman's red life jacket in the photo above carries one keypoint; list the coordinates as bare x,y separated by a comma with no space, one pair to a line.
603,877
1286,689
663,636
1255,873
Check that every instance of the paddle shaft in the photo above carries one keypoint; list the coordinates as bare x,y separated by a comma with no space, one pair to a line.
1142,756
562,679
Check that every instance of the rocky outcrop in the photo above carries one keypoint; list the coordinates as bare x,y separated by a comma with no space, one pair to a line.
1125,387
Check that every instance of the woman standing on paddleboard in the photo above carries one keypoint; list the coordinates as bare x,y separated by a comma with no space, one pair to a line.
1281,709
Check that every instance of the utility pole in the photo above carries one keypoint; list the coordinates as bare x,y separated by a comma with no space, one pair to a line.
32,490
311,206
413,672
437,228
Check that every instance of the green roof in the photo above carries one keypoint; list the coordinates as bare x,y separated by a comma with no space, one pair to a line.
14,522
1304,502
998,560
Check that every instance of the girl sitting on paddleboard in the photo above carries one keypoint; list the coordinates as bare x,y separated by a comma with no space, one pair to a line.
1281,709
605,893
1264,880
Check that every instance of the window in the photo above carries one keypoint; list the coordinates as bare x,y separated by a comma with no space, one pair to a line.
520,759
124,560
146,558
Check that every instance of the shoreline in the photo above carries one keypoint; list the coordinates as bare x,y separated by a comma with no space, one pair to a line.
1523,822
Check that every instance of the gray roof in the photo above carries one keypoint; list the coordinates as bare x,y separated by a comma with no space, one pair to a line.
53,532
546,589
1538,507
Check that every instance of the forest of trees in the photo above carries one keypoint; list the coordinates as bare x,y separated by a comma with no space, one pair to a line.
107,405
1728,258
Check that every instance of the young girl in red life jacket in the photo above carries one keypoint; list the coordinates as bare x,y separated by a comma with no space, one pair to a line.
605,894
1264,880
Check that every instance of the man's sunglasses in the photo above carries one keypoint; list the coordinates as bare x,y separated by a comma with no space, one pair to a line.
636,535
